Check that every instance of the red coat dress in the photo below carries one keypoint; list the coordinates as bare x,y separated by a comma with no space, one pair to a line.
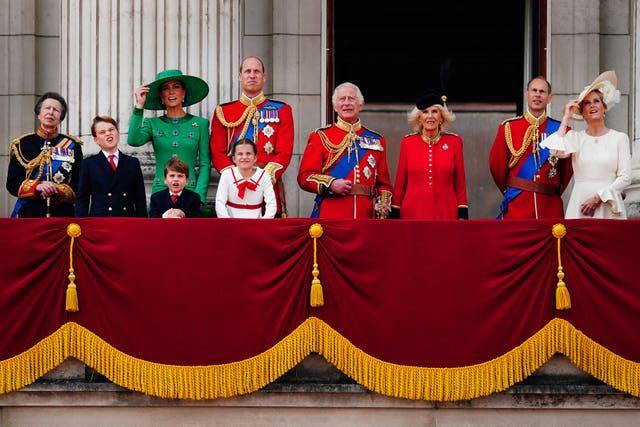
528,204
366,166
270,127
430,180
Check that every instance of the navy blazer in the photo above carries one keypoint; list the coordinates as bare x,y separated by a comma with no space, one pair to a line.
105,192
188,202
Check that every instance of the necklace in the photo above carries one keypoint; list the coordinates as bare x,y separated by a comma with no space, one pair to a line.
430,140
598,134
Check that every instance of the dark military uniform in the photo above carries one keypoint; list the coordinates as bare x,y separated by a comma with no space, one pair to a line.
37,157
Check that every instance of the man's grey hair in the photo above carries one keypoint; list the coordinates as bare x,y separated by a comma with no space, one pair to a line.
334,97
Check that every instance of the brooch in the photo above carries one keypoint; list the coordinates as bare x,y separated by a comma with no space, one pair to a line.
371,160
367,172
268,147
553,161
58,178
194,125
268,131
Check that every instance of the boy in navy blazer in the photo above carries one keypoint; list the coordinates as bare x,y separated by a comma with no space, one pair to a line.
175,201
111,182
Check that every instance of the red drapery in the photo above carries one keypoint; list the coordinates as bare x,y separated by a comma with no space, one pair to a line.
410,296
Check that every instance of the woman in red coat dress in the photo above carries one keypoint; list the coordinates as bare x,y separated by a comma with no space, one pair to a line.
430,181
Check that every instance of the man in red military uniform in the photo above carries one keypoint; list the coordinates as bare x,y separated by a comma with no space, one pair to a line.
531,179
345,164
266,122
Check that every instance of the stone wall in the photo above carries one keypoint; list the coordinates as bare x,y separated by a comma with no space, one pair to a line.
316,394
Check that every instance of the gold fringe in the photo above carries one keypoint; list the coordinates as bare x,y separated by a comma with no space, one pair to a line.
563,299
314,335
469,382
317,296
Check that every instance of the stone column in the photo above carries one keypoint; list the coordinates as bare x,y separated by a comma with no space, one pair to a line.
287,35
632,199
110,48
29,40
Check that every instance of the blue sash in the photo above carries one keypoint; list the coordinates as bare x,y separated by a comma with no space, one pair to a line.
344,166
55,165
268,112
528,169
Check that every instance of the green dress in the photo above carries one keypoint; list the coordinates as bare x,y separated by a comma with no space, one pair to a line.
186,137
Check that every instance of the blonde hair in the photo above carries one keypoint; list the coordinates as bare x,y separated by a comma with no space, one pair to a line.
413,118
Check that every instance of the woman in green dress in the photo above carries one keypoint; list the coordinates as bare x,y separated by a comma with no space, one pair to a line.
176,133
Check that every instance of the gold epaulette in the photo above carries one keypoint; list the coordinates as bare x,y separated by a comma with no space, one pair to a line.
322,128
17,140
76,139
511,119
411,134
450,133
372,131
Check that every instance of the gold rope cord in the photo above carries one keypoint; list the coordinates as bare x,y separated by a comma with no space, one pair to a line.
532,134
563,298
316,296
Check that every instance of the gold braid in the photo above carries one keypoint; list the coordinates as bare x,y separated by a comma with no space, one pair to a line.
532,134
250,110
42,159
335,150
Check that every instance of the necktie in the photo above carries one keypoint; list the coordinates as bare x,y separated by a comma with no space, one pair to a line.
112,161
174,198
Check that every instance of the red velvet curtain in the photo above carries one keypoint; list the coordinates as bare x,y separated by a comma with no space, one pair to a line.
420,293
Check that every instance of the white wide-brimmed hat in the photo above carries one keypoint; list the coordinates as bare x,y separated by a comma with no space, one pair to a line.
606,84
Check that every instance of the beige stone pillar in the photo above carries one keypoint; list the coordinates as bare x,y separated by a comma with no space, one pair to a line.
29,40
287,35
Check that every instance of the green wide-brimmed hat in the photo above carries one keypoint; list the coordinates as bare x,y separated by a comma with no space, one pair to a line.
196,89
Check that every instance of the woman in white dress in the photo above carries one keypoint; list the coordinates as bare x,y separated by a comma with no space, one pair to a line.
245,190
600,156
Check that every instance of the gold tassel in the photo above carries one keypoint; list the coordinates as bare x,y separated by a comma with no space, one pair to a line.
73,231
317,297
563,299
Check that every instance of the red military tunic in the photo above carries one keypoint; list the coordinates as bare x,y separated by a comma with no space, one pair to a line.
266,122
528,204
430,180
366,167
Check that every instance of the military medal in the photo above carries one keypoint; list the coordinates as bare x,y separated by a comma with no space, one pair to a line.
553,161
58,178
268,147
372,161
367,172
268,131
269,115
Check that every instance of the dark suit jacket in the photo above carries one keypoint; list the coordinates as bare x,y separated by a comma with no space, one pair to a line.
105,192
188,202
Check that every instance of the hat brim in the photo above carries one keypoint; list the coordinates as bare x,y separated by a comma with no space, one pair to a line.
196,90
607,80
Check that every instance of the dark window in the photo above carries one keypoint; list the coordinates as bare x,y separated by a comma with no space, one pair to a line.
393,50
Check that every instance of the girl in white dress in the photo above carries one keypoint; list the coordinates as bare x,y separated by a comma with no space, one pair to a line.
600,156
245,190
